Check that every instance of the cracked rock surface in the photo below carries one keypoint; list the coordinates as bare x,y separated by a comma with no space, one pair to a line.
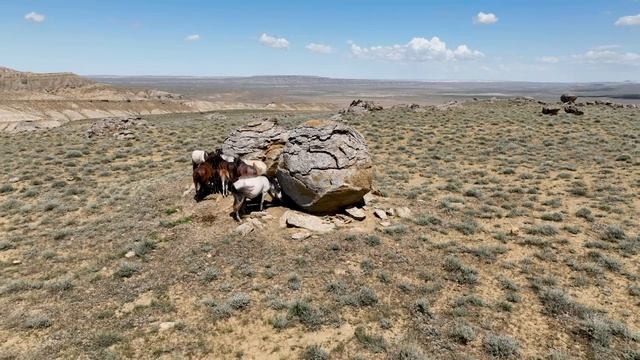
325,167
262,140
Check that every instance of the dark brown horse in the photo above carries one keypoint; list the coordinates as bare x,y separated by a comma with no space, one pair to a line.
203,179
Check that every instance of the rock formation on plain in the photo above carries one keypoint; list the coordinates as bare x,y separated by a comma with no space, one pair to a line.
325,167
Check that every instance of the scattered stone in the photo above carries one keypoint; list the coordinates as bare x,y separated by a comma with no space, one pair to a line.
356,213
359,107
301,235
125,135
572,109
514,231
404,212
550,110
385,223
452,105
309,222
568,98
130,254
342,220
380,214
259,214
244,229
391,212
326,166
144,300
118,127
215,116
168,325
14,179
256,223
160,95
262,140
16,262
369,198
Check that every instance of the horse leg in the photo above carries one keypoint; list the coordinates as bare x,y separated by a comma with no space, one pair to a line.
197,187
261,201
238,200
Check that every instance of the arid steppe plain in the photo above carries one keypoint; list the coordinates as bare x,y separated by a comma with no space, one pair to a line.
523,241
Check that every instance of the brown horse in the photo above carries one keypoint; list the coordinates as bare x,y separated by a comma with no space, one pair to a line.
203,177
230,172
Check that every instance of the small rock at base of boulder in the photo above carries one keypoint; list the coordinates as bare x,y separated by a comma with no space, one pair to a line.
301,235
244,229
356,213
380,214
309,222
257,224
369,198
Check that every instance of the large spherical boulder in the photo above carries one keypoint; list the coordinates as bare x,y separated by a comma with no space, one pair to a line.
326,166
262,140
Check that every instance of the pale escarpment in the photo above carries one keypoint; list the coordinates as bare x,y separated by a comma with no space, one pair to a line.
31,101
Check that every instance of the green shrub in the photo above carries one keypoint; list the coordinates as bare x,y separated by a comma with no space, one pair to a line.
463,333
374,343
500,346
315,352
462,273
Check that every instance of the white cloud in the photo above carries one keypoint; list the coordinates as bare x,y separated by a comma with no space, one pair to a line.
599,55
485,18
549,59
607,47
319,48
608,57
274,42
632,20
418,49
34,16
192,38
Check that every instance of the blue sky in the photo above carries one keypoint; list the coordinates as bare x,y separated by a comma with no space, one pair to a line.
541,40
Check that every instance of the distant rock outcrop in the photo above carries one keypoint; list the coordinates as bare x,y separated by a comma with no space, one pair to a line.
117,127
18,85
12,80
326,166
568,98
572,109
261,140
360,107
547,110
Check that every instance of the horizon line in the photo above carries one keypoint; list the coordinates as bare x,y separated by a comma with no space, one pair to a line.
354,78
